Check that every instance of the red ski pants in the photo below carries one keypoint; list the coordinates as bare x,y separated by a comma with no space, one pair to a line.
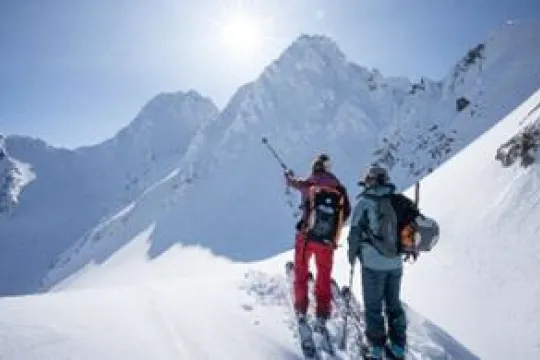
324,258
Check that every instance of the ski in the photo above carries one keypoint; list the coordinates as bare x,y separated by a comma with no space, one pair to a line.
324,340
345,305
304,331
307,343
351,336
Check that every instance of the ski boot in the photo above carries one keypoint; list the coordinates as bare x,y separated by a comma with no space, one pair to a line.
395,351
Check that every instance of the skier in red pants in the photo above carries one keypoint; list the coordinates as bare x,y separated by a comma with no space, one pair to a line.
325,207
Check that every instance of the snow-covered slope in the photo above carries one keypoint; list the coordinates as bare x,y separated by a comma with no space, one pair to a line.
228,193
14,176
73,190
492,79
229,311
481,283
153,198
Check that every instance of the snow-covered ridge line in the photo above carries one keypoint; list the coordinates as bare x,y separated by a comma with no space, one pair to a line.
311,99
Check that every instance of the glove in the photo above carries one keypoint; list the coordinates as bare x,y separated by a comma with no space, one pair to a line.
289,177
411,255
288,174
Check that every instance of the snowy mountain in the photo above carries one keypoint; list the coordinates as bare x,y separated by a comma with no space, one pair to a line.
74,190
184,182
489,81
14,176
228,193
482,279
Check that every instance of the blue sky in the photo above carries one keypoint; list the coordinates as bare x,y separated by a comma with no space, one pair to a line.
73,72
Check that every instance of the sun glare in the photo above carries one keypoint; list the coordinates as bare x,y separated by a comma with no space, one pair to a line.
242,35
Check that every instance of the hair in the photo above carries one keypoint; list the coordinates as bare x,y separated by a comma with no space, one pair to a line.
318,164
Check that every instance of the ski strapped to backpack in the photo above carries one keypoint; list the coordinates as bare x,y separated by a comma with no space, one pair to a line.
325,216
406,212
415,232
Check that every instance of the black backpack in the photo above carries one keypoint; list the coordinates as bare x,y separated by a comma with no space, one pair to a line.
405,209
396,233
325,214
416,232
406,212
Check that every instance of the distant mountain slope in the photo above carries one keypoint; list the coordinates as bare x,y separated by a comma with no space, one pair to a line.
481,282
201,176
14,176
74,190
309,100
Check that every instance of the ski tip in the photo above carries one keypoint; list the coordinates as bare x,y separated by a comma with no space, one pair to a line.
289,266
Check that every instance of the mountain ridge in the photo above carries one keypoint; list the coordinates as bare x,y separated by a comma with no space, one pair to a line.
303,108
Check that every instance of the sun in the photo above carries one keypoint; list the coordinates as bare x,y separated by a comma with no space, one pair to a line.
242,35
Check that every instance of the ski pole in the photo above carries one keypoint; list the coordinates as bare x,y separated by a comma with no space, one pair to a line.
416,201
343,344
417,193
283,166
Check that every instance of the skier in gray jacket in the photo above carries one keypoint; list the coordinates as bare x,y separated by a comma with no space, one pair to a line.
373,240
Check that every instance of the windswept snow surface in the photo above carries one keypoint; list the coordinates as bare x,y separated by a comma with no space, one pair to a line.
228,311
481,282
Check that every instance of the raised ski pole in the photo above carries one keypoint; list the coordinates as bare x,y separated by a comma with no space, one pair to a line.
283,166
343,343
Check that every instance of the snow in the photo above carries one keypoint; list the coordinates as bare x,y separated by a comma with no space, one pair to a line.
482,277
177,320
187,197
229,311
229,187
75,190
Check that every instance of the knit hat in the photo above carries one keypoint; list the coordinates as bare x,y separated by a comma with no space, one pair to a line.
321,163
375,174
